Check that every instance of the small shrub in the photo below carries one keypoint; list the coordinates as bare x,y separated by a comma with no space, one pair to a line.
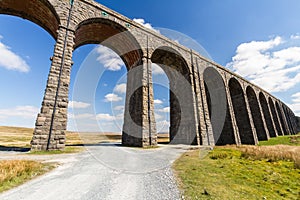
218,155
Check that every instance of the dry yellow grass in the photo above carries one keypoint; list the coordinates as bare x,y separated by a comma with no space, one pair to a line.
15,136
21,137
15,172
273,153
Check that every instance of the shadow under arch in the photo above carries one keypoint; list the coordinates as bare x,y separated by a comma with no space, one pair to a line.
119,39
288,119
267,114
256,114
182,112
219,113
112,35
40,12
275,118
240,111
281,120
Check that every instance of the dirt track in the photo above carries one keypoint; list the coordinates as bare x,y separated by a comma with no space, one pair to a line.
106,171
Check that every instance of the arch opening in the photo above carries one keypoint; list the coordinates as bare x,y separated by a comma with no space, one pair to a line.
288,119
161,94
240,111
256,114
25,70
112,35
219,113
182,122
117,38
267,115
275,118
41,12
281,119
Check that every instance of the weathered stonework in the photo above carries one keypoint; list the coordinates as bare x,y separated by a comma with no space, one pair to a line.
298,123
249,114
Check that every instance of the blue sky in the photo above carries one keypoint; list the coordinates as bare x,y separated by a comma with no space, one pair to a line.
259,40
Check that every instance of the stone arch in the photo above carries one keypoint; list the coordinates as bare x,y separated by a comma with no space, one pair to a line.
116,37
219,113
295,121
40,12
275,118
267,115
281,120
240,111
288,119
182,113
256,114
112,35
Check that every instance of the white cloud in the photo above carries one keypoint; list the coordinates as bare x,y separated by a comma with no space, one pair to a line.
295,106
158,101
164,110
108,117
121,88
10,60
295,37
80,116
109,58
105,117
268,64
112,98
296,97
77,104
119,108
157,70
143,23
26,112
1,37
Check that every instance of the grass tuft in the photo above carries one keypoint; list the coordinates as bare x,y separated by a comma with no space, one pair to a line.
16,172
67,150
273,153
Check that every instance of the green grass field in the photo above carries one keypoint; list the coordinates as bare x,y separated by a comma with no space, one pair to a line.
293,140
246,172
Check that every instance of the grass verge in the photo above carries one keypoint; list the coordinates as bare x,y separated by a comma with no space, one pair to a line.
293,140
67,150
16,172
230,173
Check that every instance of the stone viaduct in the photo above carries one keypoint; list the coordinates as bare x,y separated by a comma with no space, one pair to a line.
209,105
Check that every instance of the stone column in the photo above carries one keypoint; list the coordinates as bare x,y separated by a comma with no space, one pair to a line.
207,132
183,127
55,97
278,119
139,127
200,123
272,119
263,118
295,122
232,115
253,129
284,119
297,125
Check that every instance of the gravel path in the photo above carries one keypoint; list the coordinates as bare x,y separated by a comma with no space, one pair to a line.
106,171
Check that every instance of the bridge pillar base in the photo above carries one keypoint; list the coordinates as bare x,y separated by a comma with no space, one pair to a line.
139,129
56,95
